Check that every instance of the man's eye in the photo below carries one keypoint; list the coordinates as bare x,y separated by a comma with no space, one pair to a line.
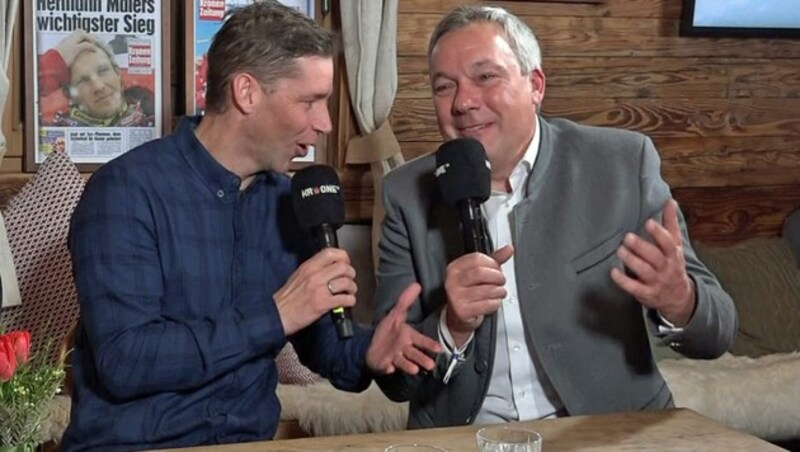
487,76
441,88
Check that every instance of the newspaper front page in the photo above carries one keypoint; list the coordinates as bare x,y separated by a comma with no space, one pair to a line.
99,88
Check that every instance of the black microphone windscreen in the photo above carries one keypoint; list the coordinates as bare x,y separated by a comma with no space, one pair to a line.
317,197
462,171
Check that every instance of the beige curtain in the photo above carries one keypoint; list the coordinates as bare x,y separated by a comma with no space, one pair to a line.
9,289
369,31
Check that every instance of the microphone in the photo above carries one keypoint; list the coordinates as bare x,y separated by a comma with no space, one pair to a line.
319,207
463,175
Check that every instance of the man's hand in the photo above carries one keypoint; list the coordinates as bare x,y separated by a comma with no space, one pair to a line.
475,286
661,281
76,42
324,282
397,345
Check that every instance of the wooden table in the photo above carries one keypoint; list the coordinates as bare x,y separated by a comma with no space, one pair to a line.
668,430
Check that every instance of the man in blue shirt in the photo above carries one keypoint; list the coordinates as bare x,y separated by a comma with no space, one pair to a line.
187,260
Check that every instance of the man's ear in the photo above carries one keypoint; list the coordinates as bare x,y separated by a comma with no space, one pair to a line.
246,92
537,80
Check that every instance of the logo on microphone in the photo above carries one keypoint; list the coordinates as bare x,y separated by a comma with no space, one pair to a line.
321,189
442,169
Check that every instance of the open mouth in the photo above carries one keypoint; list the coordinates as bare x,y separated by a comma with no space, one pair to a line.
301,150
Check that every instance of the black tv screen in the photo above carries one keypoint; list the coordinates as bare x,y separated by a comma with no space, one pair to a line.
741,18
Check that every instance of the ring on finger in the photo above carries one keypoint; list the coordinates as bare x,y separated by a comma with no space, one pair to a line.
330,287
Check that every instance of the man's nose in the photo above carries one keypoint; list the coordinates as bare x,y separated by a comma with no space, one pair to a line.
466,99
322,121
96,83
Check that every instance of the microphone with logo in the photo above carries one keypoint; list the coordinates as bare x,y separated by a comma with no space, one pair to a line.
464,179
319,207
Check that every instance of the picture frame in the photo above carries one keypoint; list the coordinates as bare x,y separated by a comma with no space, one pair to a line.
98,79
750,19
202,19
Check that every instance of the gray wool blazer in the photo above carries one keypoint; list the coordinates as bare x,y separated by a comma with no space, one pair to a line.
589,186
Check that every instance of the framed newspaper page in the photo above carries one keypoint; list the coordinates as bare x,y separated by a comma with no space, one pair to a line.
202,20
98,78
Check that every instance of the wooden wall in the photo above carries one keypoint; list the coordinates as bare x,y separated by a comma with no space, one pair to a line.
724,113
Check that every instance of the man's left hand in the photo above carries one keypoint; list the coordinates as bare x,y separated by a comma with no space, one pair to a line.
661,281
397,345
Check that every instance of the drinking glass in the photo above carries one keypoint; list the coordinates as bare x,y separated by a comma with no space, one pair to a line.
500,438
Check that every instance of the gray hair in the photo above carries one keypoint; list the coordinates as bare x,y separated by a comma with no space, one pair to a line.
518,34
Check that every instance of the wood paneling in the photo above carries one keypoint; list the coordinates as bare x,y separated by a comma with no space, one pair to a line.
11,165
626,8
358,192
737,168
675,117
724,113
609,36
614,77
631,77
726,215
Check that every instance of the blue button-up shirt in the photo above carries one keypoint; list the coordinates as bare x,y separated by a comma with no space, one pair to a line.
175,269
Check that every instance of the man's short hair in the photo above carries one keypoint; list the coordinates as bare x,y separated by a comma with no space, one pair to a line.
518,34
263,39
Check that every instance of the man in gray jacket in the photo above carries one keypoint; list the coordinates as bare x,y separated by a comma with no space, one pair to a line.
586,236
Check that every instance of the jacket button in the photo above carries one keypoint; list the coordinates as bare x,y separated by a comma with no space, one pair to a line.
480,366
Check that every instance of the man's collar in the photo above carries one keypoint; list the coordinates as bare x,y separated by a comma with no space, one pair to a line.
529,158
218,179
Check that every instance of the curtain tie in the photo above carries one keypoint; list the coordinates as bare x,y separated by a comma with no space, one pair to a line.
374,147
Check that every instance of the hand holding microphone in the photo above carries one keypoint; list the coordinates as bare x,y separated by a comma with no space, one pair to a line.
326,281
474,283
319,206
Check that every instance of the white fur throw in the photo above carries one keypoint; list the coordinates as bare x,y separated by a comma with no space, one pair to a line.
322,410
760,396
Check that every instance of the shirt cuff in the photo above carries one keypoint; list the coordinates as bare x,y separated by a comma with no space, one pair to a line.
667,327
446,339
456,353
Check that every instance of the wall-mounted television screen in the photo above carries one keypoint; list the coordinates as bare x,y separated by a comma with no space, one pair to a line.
741,18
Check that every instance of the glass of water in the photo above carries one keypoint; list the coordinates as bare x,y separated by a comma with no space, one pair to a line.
501,438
